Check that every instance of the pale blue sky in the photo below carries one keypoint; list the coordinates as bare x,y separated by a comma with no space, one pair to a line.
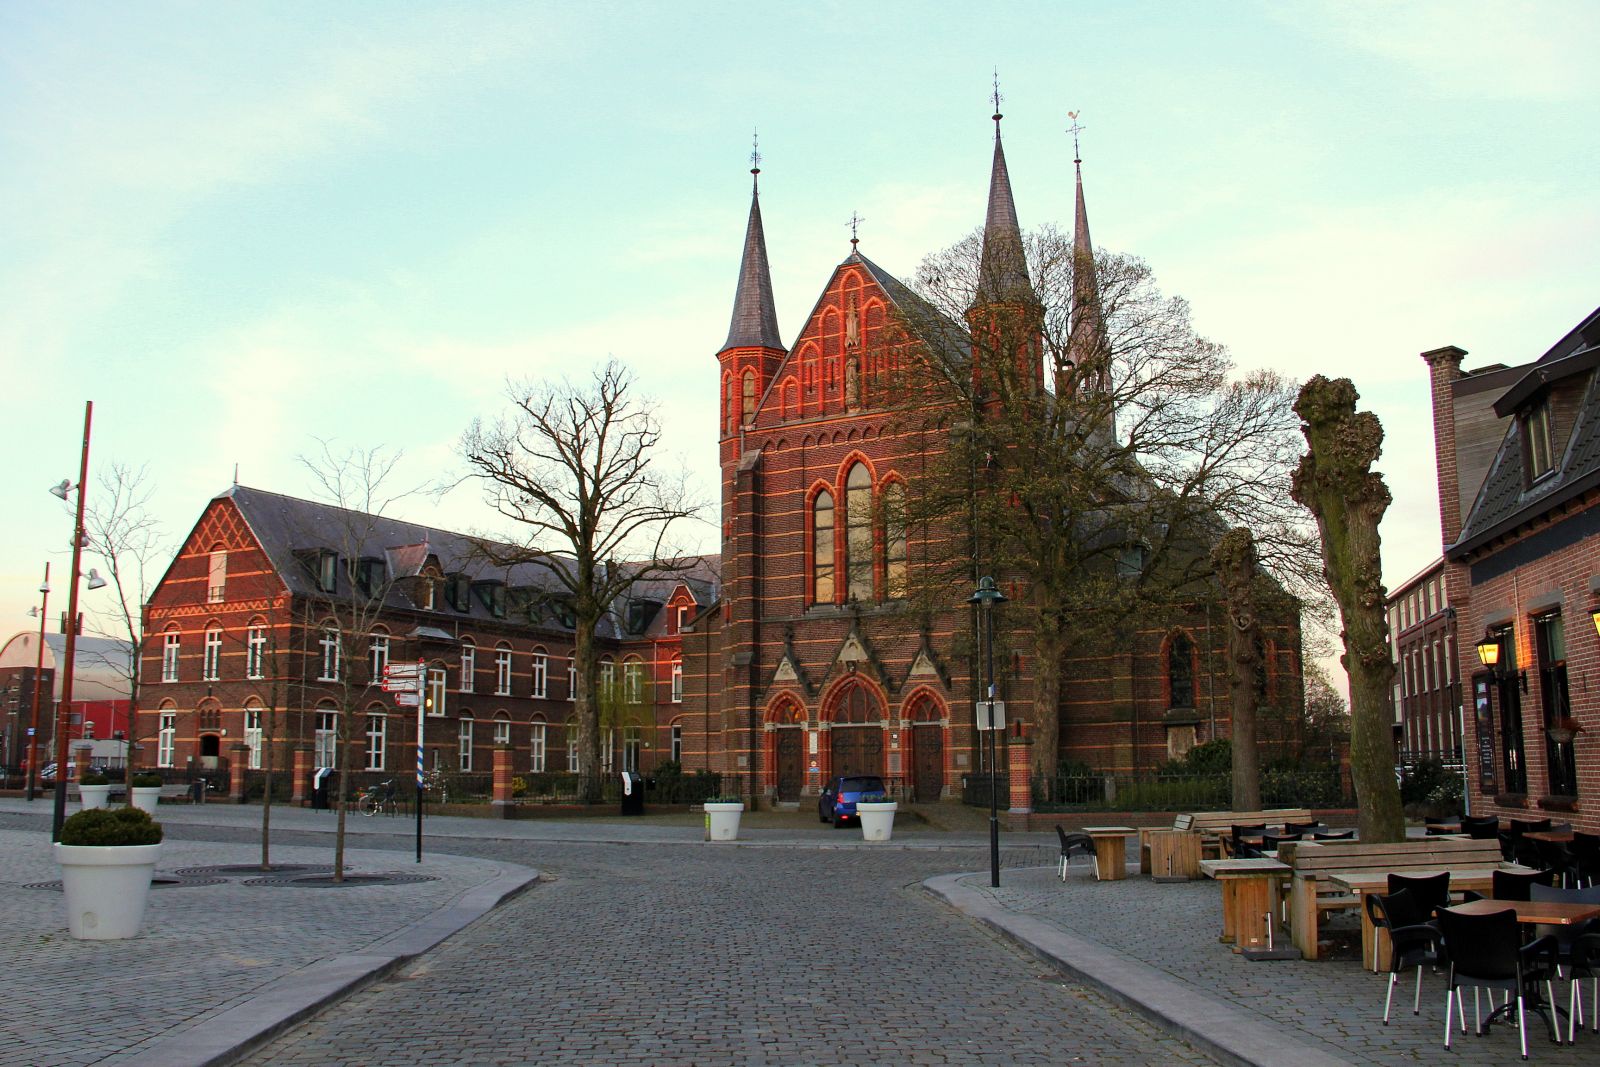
236,226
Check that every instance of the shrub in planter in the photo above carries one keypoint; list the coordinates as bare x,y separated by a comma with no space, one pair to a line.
107,858
111,826
146,781
93,778
722,817
144,791
94,789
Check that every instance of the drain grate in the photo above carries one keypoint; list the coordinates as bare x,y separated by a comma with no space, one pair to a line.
160,881
238,870
325,881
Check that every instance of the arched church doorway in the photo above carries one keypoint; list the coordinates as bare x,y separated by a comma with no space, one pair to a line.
788,749
927,750
856,739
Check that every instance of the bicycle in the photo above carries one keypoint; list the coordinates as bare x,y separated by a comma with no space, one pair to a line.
378,798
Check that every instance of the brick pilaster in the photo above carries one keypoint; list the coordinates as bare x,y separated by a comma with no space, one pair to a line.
301,776
502,777
1019,765
1444,368
238,761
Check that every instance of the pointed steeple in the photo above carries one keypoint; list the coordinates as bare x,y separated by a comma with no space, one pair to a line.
1089,345
755,317
1003,269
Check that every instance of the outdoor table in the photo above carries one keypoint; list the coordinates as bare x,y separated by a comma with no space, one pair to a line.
1251,902
1174,855
1110,851
1551,912
1375,942
1556,837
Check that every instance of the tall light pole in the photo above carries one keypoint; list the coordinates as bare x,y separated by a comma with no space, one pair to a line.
38,677
987,596
64,708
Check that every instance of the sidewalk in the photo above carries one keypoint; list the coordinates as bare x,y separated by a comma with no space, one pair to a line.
1153,947
220,963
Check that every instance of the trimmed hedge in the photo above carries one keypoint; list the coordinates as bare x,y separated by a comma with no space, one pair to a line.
111,826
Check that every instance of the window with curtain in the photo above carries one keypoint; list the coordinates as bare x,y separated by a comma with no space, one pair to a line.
858,533
822,548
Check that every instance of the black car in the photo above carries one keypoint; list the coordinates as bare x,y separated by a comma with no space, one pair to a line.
837,804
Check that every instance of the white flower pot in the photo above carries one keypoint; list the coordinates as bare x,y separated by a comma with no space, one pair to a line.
722,821
93,796
147,797
105,887
877,820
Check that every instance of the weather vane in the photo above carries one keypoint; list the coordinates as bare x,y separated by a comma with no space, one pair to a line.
997,97
755,151
1075,129
855,223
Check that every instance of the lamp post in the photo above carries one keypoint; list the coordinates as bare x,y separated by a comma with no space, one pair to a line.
38,678
986,597
64,708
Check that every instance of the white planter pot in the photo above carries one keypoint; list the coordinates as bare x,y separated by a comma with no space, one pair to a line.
93,796
105,887
877,820
722,821
147,797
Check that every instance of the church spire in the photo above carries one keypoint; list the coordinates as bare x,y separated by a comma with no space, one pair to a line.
755,317
1089,346
1003,269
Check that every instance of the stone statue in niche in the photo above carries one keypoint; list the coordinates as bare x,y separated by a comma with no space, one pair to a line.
852,356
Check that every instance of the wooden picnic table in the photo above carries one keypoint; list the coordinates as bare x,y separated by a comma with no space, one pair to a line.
1550,912
1172,856
1110,851
1375,942
1558,837
1251,901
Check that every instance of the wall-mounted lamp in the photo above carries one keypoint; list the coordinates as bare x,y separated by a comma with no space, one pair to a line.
1489,656
1595,617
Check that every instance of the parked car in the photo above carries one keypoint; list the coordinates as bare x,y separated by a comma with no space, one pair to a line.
837,804
47,773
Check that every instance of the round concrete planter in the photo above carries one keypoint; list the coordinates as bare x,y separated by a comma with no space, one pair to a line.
93,796
146,797
877,820
105,888
722,821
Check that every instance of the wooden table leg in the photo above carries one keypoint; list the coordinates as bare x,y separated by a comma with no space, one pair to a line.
1111,856
1230,887
1253,904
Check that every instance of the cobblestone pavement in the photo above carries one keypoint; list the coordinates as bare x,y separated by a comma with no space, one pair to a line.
206,947
1331,1003
665,955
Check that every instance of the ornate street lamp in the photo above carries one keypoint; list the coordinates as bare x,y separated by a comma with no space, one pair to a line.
64,708
986,597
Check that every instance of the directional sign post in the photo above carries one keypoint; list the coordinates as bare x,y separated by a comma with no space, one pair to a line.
406,682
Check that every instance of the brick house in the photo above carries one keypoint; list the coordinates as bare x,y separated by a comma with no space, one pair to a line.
1518,455
1427,693
250,643
815,663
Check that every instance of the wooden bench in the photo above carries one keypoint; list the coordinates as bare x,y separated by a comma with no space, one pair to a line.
1212,827
1312,891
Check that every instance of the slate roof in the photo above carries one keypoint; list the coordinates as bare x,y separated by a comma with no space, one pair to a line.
936,329
288,527
755,316
1505,500
1003,268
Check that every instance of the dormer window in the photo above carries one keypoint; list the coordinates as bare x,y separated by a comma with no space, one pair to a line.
458,593
1537,452
327,571
493,595
370,574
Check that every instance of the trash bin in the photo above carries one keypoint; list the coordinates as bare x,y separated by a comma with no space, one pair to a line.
632,794
321,786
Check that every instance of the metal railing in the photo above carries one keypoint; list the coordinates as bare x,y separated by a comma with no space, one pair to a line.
1186,792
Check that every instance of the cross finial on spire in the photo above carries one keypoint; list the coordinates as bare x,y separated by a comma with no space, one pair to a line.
755,151
1075,129
997,97
855,223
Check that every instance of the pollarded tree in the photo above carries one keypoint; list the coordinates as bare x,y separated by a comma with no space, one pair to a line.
575,466
1095,447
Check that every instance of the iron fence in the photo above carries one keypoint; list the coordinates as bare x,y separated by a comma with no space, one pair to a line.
1280,788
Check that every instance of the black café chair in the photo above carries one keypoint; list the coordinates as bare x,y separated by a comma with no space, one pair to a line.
1413,940
1331,835
1070,843
1513,885
1554,856
1236,840
1585,966
1480,829
1270,843
1585,849
1486,952
1429,892
1301,828
1566,935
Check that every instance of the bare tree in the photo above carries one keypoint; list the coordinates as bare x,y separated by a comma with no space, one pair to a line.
1336,482
1099,481
126,538
1234,557
575,466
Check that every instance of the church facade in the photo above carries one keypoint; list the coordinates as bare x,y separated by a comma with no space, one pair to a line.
815,663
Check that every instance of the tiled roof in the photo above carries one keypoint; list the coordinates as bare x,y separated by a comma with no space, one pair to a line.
1003,268
755,317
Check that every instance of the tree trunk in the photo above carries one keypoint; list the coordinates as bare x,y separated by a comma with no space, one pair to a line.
269,734
346,750
588,709
1048,646
1336,481
1234,558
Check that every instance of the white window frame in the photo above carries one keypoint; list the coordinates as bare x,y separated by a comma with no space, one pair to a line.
436,690
502,730
211,669
572,747
502,672
677,742
572,677
171,645
329,640
325,739
377,739
166,739
465,740
541,674
255,652
632,746
378,653
608,677
469,665
252,734
633,682
217,576
677,681
536,747
608,739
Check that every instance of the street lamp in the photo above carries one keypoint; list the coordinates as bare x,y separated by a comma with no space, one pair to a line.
38,676
986,597
64,708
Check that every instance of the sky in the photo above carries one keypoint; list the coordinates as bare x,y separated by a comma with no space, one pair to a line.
243,228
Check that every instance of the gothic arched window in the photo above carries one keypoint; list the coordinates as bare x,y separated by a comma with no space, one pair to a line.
1180,670
749,395
894,540
858,532
822,548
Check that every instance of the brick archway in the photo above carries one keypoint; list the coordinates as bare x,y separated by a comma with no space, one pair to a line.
928,745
